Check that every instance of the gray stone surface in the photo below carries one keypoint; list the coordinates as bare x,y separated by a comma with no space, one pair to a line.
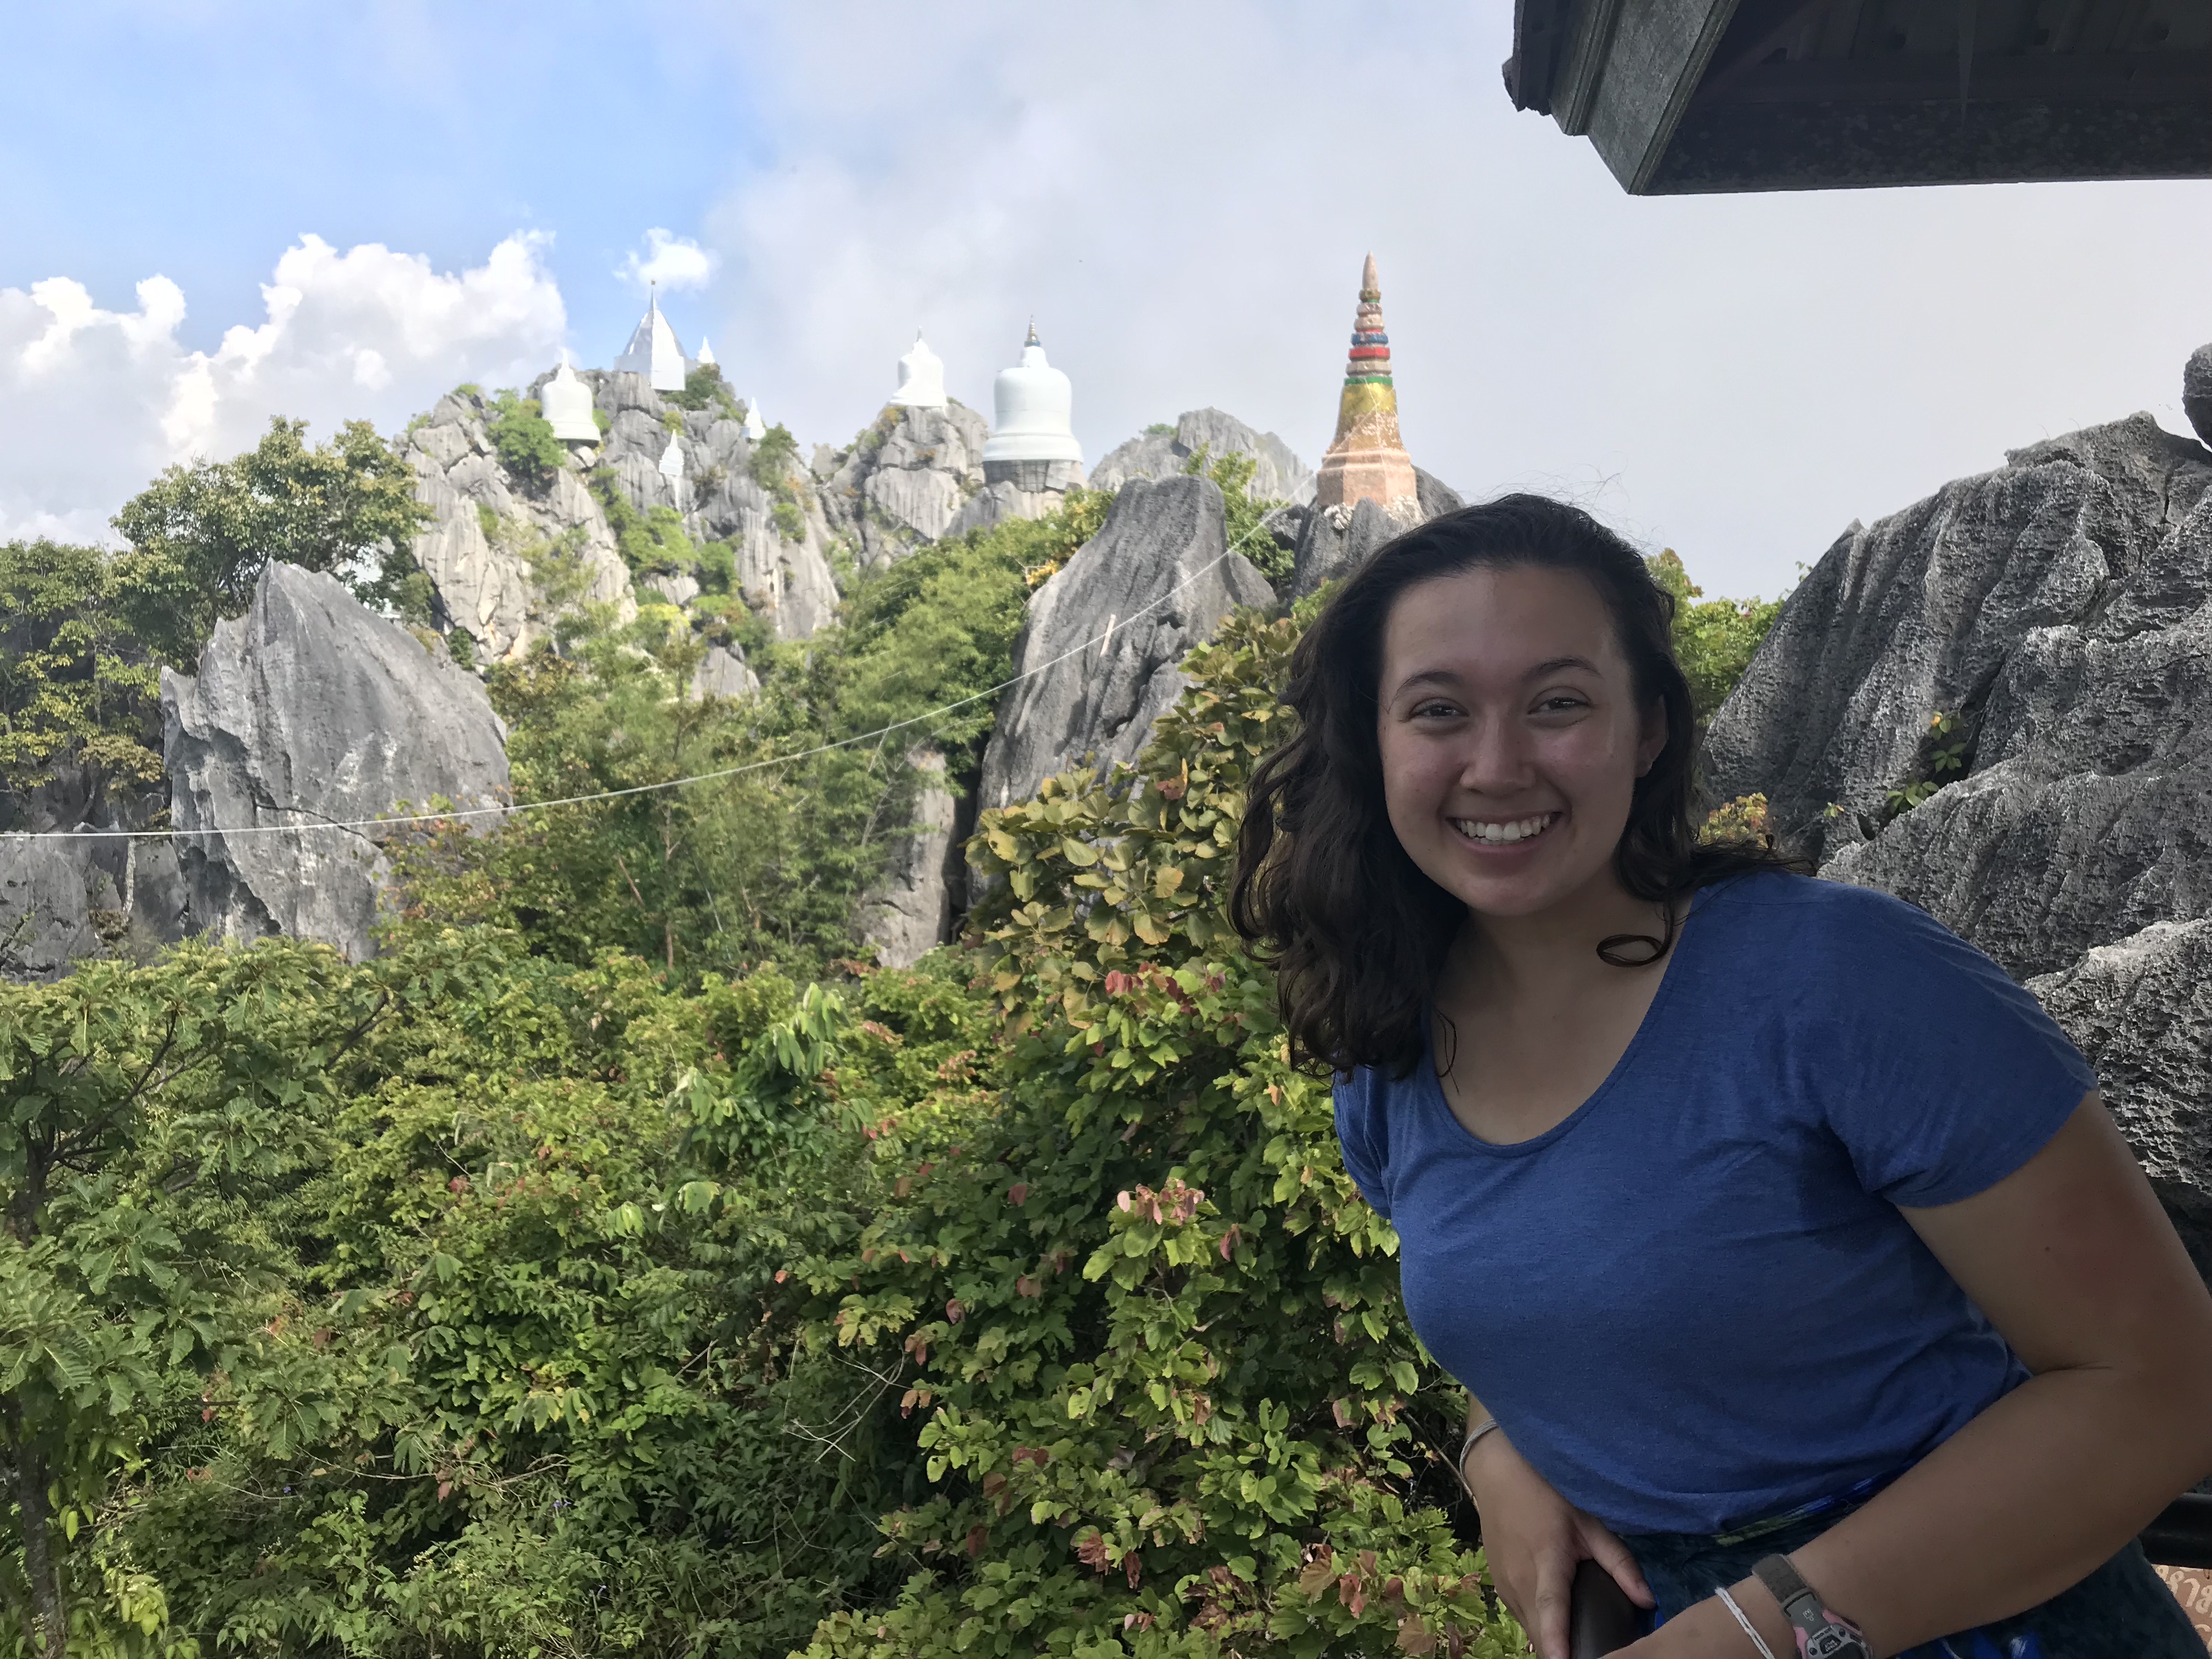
1155,582
902,484
994,503
484,571
2062,607
1333,544
308,710
722,672
908,910
1924,611
2141,1009
45,921
2196,392
1278,474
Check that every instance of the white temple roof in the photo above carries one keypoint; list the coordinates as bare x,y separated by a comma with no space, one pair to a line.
755,428
922,378
567,402
654,351
1032,407
706,356
672,461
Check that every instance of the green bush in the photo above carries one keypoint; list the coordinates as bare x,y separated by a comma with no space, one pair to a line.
1715,640
524,438
704,387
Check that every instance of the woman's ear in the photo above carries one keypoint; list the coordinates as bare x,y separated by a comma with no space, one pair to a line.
1651,742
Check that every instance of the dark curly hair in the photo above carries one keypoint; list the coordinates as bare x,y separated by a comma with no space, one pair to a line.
1322,890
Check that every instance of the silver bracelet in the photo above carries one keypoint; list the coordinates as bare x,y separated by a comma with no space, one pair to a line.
1467,1444
1749,1629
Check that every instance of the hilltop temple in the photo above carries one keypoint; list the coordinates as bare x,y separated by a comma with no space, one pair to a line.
1032,445
920,378
1367,461
654,351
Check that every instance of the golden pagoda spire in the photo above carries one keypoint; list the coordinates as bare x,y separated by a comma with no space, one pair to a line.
1368,462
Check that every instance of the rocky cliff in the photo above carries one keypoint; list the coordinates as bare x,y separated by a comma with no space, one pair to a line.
904,481
2060,609
307,712
1106,634
1277,475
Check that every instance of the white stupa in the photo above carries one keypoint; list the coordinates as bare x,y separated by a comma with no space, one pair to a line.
567,402
755,428
1032,444
922,378
706,357
672,462
654,350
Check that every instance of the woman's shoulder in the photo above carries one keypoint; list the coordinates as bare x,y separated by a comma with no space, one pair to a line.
1811,911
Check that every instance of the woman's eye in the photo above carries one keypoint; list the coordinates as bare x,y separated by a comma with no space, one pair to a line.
1561,705
1434,711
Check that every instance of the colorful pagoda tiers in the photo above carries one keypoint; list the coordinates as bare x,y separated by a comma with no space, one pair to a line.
1368,462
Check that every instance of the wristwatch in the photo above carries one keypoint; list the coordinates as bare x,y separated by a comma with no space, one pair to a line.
1820,1634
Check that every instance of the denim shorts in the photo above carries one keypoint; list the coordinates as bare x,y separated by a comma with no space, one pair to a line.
2121,1611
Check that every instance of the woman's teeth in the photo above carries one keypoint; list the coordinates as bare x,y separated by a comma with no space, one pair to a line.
1505,835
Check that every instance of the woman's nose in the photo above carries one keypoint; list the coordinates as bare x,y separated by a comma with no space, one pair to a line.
1498,755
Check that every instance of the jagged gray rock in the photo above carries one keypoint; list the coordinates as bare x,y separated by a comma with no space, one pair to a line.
1278,474
1155,582
995,503
722,672
2140,1010
45,921
1921,613
908,910
311,710
2196,392
2061,607
489,536
902,483
1332,543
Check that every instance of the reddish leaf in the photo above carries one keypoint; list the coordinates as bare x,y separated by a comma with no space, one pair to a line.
1018,1194
954,1311
977,1537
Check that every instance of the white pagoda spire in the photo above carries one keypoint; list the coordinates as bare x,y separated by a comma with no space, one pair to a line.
922,378
755,428
654,351
1032,444
567,402
706,357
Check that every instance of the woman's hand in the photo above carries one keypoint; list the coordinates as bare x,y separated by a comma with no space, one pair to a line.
1535,1538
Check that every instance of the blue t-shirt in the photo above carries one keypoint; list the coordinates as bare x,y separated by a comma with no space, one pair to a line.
1693,1302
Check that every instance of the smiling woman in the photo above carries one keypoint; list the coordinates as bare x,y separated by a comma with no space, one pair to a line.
1784,1243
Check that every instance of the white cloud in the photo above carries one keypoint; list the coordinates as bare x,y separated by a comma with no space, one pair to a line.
674,262
1182,196
93,402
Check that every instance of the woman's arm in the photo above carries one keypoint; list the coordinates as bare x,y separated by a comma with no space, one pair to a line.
1534,1538
2073,1262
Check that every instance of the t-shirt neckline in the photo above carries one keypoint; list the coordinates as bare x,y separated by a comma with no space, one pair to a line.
1432,1088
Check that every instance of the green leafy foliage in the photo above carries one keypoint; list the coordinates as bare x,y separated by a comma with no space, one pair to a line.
524,438
200,534
80,692
1242,513
704,387
1945,753
1716,639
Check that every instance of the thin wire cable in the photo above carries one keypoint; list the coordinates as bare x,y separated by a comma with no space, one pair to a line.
1113,626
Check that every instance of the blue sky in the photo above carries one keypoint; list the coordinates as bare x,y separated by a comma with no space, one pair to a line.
1181,195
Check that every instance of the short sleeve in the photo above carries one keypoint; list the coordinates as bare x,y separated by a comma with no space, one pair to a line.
1947,1076
1363,1134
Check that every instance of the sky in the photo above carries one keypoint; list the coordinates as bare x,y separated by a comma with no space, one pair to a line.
217,212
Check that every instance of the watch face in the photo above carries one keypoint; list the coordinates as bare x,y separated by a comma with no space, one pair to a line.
1832,1641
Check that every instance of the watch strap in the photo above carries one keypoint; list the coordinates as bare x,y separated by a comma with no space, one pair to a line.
1820,1634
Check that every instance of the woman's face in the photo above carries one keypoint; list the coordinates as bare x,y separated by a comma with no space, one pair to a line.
1510,738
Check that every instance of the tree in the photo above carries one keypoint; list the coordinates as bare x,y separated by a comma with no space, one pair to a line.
200,534
80,692
1714,640
524,438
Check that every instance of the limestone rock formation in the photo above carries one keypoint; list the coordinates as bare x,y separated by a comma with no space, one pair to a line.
904,480
908,910
1332,542
311,710
1153,584
2060,608
1277,475
45,921
488,534
722,672
994,503
2196,392
2140,1008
